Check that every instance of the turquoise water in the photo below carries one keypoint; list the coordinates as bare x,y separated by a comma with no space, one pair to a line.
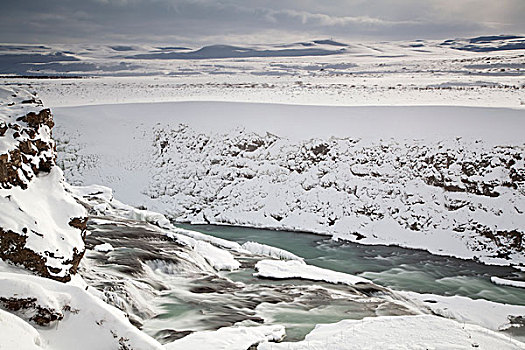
394,267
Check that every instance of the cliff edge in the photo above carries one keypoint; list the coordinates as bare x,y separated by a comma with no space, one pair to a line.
42,227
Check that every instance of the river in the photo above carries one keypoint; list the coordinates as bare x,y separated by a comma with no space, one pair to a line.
389,266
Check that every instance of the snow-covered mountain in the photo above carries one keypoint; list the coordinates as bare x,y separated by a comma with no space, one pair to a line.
280,59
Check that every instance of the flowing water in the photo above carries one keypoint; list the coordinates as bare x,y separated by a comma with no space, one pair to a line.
207,301
389,266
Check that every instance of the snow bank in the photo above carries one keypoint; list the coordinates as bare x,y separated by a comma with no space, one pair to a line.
206,238
399,332
82,320
266,250
506,282
15,333
488,314
280,269
228,338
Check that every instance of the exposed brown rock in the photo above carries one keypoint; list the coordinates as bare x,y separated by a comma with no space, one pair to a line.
12,248
11,172
29,309
44,117
79,223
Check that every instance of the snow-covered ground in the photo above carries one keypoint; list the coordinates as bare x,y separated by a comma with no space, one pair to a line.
417,143
433,72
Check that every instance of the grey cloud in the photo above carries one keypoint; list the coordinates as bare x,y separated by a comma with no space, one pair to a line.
230,21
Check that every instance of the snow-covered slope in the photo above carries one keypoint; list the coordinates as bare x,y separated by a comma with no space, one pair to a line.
68,316
41,225
488,43
15,333
446,179
42,231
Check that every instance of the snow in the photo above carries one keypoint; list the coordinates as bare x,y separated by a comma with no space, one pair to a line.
228,338
281,269
266,250
15,333
488,314
433,178
506,282
88,322
112,124
220,259
104,248
399,332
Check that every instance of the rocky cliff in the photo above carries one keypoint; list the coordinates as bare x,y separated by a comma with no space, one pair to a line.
455,196
41,226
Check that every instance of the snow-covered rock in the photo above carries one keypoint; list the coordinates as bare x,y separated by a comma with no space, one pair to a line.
282,269
455,197
103,248
41,226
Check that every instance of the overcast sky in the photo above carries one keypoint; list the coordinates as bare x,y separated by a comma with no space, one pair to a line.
249,21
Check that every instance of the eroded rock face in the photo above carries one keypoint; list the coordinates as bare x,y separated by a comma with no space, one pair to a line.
41,226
